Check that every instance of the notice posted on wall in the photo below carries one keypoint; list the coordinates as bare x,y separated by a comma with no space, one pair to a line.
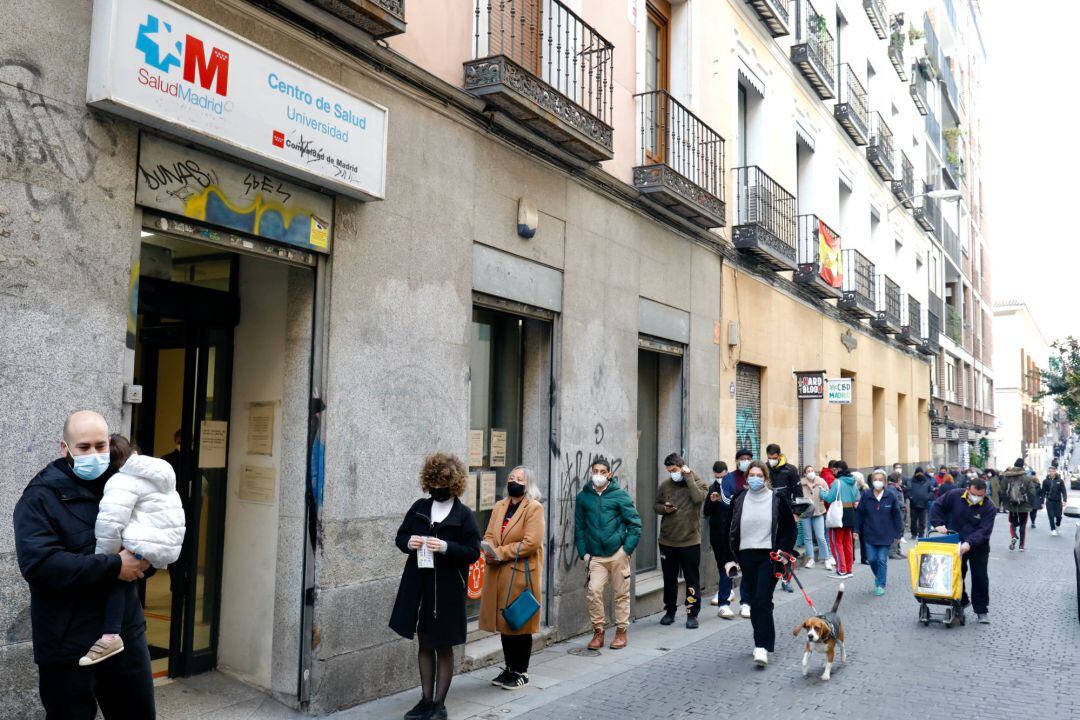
258,484
260,432
498,448
487,490
213,439
476,448
471,487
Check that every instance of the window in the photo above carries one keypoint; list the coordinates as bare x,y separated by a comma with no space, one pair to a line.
657,76
743,127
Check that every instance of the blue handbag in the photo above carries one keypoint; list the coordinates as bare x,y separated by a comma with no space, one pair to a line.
525,605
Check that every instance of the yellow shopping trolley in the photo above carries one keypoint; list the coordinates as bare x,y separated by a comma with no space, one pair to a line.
936,578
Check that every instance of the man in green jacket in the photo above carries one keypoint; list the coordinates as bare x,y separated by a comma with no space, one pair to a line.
607,528
678,503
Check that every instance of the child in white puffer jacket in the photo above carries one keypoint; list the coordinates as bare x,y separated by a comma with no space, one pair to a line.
141,513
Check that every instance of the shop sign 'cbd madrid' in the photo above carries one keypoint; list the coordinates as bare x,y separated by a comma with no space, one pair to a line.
158,64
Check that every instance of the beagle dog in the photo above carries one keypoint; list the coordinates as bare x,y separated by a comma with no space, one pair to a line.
825,631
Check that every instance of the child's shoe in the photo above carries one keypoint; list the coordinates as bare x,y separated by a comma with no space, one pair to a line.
103,649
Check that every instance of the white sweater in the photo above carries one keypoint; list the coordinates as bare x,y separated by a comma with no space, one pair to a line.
141,512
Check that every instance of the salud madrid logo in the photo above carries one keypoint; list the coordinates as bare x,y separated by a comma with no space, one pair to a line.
164,48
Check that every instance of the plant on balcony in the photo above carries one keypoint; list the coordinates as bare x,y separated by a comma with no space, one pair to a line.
914,35
952,136
822,29
896,40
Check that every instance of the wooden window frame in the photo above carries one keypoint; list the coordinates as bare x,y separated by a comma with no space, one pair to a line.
659,14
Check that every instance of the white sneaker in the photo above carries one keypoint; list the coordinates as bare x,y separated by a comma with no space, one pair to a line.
1054,533
745,611
809,563
715,599
726,612
761,657
830,564
731,596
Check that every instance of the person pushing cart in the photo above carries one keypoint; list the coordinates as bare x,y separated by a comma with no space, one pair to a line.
970,514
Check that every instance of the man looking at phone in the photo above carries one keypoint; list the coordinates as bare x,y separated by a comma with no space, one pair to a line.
678,503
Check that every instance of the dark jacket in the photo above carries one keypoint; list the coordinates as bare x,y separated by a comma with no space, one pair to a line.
54,543
975,523
433,601
1054,490
783,526
719,514
786,480
880,522
1029,485
944,488
604,522
681,528
920,491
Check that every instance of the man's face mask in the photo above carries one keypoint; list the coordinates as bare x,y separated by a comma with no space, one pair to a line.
90,467
744,465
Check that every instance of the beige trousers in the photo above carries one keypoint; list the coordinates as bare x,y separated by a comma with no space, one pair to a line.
616,570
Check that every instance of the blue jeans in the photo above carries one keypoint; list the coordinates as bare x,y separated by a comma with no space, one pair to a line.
878,555
813,530
725,590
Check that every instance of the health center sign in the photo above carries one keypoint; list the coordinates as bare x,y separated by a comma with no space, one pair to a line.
158,64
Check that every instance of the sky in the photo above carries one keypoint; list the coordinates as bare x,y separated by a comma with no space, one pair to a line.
1031,158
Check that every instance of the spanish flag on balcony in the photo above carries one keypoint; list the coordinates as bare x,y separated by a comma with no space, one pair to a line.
829,255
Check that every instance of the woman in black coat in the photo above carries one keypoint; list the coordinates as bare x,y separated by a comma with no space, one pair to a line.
431,600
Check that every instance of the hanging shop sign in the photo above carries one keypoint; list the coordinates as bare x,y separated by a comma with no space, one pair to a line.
158,64
210,189
810,385
839,391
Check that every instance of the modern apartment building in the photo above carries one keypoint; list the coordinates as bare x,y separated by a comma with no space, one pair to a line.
315,240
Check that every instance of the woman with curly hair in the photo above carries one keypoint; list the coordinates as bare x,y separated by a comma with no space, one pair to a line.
441,538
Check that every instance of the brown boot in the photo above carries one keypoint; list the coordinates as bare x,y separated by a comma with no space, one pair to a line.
620,639
597,641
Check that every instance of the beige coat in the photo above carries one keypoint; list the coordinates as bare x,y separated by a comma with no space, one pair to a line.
525,527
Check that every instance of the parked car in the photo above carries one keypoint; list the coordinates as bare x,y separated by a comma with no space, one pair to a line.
1074,512
1075,482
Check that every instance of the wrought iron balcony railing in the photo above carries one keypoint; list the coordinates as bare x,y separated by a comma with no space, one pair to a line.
920,73
764,219
897,38
549,69
378,18
851,110
681,161
931,341
923,215
903,187
887,318
774,13
813,49
911,323
819,256
880,151
875,10
932,214
859,285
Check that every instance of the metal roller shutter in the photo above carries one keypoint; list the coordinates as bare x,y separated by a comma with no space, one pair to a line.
748,408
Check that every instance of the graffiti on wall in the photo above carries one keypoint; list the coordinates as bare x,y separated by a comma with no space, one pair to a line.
574,470
747,432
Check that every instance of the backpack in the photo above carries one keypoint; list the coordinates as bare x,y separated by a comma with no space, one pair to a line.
1016,492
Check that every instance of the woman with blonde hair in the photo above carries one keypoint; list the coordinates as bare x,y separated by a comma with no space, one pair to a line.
513,548
441,538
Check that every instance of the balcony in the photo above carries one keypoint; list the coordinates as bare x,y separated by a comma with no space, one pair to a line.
903,187
931,343
896,46
378,18
954,156
911,322
812,52
887,308
859,285
951,241
952,92
550,71
922,215
954,326
880,151
681,161
774,14
819,257
764,219
933,132
932,215
920,73
875,10
850,109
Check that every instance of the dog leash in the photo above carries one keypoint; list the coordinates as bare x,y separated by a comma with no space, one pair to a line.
787,574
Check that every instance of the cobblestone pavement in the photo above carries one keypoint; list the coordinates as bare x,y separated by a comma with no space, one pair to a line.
1019,666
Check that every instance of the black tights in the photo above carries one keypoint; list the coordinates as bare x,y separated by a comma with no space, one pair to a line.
429,667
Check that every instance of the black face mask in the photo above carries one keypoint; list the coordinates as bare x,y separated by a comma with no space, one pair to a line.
440,494
515,490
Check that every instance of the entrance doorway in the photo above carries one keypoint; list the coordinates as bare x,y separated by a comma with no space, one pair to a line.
222,352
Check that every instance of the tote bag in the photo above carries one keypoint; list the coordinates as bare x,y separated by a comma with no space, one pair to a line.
834,517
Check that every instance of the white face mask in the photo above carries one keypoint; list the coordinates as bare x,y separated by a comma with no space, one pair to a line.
744,465
976,500
879,484
599,480
676,477
811,475
772,462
